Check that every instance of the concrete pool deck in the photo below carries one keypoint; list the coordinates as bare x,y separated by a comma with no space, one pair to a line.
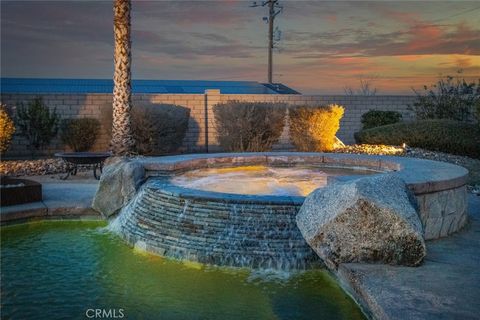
69,199
445,286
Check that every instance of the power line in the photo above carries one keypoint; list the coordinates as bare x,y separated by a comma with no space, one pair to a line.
456,14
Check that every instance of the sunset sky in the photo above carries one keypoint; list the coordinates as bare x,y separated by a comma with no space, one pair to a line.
325,46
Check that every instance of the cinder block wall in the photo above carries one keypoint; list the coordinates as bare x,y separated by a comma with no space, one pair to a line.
354,106
201,131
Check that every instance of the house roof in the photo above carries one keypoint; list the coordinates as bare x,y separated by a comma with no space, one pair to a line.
31,85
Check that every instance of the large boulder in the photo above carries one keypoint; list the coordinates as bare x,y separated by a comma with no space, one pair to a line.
370,219
121,178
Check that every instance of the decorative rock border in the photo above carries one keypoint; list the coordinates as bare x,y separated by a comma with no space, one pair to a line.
205,226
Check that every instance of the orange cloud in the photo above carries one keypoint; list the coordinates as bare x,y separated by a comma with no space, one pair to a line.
424,36
332,18
410,58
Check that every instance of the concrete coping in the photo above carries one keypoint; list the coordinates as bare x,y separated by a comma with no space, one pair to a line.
421,176
188,193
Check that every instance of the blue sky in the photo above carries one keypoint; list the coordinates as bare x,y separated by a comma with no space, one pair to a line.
325,46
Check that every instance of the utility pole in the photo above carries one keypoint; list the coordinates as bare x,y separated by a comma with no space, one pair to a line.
271,18
274,9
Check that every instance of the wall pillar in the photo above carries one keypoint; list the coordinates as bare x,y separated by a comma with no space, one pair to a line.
212,97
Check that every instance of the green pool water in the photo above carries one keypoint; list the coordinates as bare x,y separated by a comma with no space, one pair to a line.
59,270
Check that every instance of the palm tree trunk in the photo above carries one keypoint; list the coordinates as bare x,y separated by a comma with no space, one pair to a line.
122,138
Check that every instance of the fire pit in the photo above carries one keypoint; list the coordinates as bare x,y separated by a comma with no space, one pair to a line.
89,159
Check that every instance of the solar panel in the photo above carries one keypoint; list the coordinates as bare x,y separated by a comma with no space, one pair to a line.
30,85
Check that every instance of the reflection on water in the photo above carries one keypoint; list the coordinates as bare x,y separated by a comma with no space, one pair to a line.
57,270
262,180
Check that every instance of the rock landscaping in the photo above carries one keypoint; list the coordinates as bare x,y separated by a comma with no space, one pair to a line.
377,149
370,220
39,167
119,182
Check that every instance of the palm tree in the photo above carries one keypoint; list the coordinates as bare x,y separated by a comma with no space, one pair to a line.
122,138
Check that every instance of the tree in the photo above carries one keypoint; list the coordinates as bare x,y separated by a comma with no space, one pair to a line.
122,142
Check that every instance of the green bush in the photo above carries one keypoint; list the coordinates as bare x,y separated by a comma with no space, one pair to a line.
80,134
249,126
449,98
314,128
37,123
7,129
438,135
377,118
159,129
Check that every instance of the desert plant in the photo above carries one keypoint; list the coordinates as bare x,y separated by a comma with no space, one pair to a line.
249,126
7,129
448,136
79,134
377,118
159,129
37,123
314,128
450,98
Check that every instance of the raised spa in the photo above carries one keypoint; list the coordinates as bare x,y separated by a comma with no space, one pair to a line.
265,180
239,209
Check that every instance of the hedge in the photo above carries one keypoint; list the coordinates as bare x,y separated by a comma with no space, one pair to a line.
377,118
448,136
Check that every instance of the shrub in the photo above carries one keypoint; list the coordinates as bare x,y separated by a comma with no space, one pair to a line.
477,112
377,118
37,123
7,129
437,135
314,128
159,129
80,134
450,98
249,126
143,128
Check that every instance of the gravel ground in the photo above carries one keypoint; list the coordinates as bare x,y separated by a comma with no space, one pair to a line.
56,166
40,167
